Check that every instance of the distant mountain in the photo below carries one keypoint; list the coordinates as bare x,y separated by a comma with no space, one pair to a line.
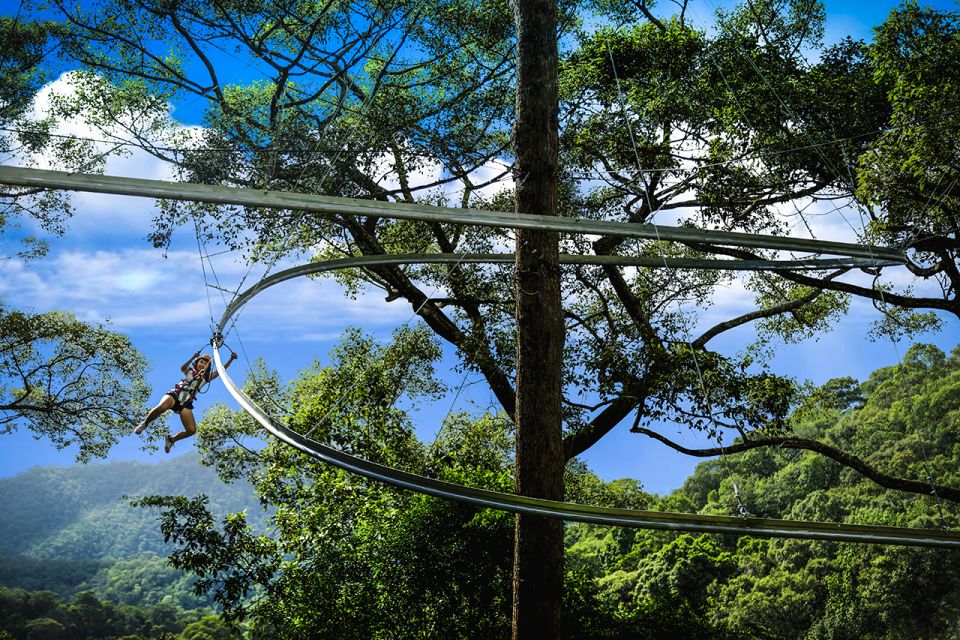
72,529
83,512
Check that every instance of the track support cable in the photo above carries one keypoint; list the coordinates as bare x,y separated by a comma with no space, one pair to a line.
214,194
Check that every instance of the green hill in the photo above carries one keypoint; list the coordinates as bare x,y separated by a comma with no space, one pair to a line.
69,529
83,512
902,421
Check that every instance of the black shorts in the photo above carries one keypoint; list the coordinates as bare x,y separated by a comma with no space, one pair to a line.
177,407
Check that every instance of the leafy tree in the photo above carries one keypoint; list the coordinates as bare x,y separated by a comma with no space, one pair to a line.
40,615
350,557
208,628
23,60
44,629
27,63
68,381
345,102
909,174
805,589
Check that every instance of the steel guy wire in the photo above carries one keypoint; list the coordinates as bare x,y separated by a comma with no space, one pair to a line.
362,112
742,510
368,101
359,379
759,153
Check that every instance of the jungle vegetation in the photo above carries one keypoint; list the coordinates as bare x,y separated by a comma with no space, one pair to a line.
751,124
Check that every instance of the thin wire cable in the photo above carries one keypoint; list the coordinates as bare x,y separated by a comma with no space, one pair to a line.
758,153
359,379
287,245
276,254
741,508
213,322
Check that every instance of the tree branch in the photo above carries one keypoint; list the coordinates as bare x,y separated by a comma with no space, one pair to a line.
717,329
789,442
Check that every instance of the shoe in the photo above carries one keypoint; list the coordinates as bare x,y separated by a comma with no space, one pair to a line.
168,445
140,428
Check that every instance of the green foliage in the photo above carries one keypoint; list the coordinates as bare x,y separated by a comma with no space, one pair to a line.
232,554
208,628
67,381
354,404
40,615
736,126
348,558
903,420
21,58
82,513
911,169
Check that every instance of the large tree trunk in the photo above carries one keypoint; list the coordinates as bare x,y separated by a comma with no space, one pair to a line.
538,542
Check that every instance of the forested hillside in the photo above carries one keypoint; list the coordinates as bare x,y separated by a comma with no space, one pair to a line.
41,616
373,558
83,512
902,420
352,558
73,529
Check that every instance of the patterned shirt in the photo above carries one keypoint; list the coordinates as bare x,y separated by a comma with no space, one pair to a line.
186,390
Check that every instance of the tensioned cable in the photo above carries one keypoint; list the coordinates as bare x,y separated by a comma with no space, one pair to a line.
213,322
215,194
893,341
368,101
356,383
743,113
900,368
789,110
812,145
518,503
696,364
365,106
760,153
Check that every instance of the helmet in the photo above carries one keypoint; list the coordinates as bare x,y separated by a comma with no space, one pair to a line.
204,357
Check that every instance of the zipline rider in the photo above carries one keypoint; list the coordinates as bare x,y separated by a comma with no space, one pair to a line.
196,373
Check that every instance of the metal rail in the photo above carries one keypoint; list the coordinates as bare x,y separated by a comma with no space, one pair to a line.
856,255
764,527
41,178
508,258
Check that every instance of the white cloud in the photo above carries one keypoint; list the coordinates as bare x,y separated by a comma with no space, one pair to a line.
94,212
131,162
139,289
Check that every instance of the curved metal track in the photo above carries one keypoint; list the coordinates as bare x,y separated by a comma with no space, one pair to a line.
564,510
854,255
328,205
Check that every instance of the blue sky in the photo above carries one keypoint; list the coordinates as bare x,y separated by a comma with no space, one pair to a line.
105,270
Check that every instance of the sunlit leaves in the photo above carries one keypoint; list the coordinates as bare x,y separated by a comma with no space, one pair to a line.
72,383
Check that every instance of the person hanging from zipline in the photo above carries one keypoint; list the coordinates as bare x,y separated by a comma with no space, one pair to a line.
196,373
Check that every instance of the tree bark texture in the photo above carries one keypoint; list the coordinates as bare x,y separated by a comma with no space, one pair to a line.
538,542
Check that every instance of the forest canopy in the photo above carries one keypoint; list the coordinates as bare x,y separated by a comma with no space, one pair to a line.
644,116
374,560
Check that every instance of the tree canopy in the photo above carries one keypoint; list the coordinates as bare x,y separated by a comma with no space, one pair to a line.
346,557
737,131
754,125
